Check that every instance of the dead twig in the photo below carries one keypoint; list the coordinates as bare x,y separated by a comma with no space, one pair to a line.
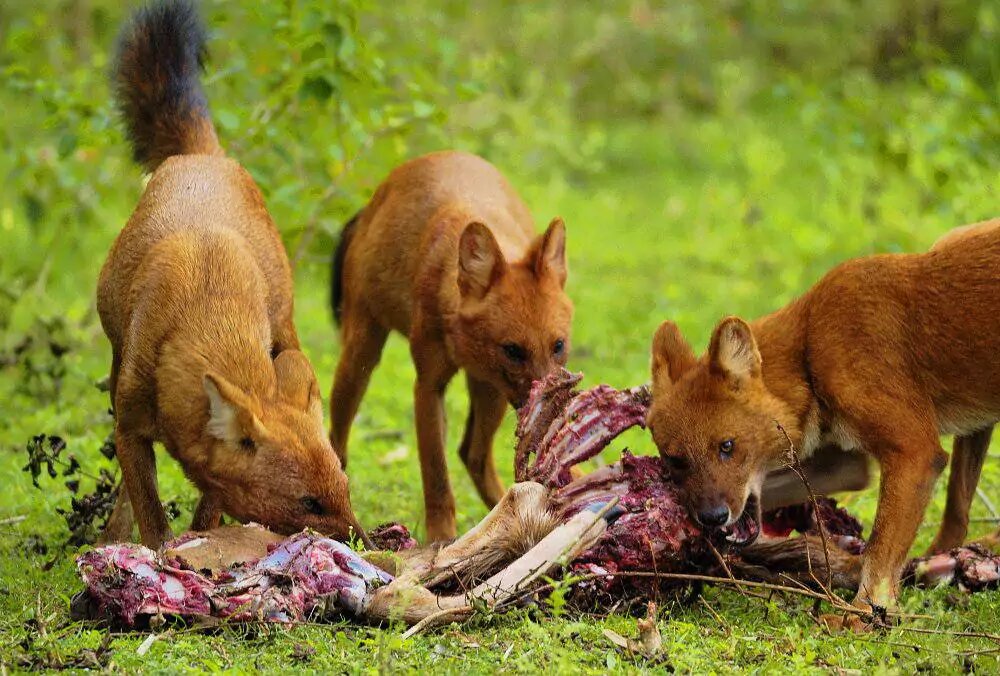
436,618
989,503
978,519
947,632
718,618
839,603
725,566
796,466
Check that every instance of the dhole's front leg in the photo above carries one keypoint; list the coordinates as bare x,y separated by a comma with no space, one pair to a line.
138,463
119,524
433,374
909,470
487,406
363,339
134,448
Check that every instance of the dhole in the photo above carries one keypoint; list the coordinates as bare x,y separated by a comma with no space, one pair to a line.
883,355
196,299
446,253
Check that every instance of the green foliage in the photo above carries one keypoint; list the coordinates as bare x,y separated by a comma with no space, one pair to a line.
709,158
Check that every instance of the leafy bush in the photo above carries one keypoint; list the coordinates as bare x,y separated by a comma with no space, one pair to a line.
881,111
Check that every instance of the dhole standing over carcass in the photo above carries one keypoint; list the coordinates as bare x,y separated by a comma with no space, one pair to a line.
196,299
884,354
446,253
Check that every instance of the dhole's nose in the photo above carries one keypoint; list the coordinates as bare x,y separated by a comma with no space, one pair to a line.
713,516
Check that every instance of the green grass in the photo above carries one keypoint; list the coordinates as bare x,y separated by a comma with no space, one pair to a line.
726,214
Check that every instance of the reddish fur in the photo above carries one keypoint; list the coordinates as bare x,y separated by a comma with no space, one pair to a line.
884,354
402,272
195,298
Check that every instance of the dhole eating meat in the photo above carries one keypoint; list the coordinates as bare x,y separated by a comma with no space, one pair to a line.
446,253
196,299
883,355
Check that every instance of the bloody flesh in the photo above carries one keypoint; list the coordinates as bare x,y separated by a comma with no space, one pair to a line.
649,530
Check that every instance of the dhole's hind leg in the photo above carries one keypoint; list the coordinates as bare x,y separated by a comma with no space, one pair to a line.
363,340
116,366
967,456
486,410
433,374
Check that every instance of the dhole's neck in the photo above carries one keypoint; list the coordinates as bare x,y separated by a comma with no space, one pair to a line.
223,342
245,361
781,339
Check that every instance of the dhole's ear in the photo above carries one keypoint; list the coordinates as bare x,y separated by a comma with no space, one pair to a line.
733,351
672,357
480,261
551,255
297,383
229,416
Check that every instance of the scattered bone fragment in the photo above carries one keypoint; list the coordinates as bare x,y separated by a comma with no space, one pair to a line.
649,642
972,567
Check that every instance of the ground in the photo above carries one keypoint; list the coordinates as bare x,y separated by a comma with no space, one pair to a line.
691,223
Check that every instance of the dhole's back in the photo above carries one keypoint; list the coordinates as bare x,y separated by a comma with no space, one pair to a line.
182,190
406,227
959,303
935,308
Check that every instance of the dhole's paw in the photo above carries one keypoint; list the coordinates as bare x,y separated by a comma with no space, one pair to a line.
837,622
869,617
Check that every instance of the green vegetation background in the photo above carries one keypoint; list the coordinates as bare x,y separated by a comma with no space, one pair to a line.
708,158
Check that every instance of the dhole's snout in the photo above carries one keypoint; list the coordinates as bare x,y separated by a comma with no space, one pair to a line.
713,515
737,519
353,528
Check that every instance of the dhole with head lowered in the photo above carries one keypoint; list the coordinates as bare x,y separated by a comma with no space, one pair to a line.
446,253
883,355
196,300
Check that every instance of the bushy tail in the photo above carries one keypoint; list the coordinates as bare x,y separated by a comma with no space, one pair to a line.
337,267
161,51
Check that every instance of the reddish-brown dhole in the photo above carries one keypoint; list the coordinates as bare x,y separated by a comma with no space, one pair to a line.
884,354
446,253
196,299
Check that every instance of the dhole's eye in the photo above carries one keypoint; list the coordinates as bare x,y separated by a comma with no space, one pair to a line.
558,347
313,506
726,449
247,444
515,352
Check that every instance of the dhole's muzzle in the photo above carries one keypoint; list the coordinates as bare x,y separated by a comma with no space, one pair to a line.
739,525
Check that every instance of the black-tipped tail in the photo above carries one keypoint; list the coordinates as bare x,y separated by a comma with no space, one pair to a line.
337,267
161,51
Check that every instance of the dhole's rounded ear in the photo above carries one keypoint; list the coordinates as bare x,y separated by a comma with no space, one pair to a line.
672,357
229,416
480,261
550,257
297,382
733,351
